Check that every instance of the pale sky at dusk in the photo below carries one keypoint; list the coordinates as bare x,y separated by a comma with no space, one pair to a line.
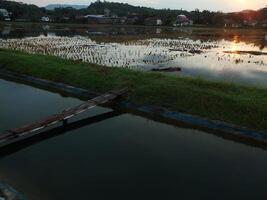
221,5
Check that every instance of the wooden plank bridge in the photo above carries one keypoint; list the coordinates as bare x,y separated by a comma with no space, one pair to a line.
26,131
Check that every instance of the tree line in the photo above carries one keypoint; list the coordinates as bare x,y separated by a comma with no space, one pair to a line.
168,16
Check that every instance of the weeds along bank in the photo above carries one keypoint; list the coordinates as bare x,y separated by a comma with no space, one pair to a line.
136,54
246,106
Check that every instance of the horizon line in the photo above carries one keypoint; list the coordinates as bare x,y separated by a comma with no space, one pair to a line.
165,8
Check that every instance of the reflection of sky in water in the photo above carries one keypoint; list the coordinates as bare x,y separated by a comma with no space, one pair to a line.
216,64
213,63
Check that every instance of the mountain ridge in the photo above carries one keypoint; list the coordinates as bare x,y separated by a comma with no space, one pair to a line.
74,6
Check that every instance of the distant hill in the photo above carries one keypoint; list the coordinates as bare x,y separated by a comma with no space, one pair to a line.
54,6
120,9
21,10
29,12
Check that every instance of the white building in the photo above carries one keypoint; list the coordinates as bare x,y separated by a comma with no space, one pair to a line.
159,22
182,20
5,14
45,19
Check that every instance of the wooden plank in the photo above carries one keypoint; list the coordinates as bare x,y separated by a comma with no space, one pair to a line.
61,117
36,125
6,135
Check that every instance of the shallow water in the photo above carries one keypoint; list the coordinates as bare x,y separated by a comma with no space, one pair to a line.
123,156
199,52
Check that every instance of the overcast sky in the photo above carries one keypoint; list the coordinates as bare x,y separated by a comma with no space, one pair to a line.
217,5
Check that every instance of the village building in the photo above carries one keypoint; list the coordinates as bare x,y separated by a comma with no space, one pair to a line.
132,18
231,23
101,19
153,22
250,23
66,18
45,19
5,15
123,20
107,12
107,18
182,20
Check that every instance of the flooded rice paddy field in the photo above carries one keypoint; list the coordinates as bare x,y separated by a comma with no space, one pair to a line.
233,55
118,155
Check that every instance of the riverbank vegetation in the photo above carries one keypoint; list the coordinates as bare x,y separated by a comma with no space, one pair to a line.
242,105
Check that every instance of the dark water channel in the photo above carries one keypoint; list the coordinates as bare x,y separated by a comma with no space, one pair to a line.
123,156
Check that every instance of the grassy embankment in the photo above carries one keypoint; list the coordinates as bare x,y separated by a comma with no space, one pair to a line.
241,105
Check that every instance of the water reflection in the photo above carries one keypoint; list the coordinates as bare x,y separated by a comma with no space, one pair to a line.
12,148
158,31
123,157
236,55
257,36
6,29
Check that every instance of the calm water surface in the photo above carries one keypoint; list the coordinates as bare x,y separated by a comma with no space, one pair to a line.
123,156
114,49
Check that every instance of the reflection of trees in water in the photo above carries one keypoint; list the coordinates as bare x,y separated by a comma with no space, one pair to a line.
117,30
255,36
248,36
6,30
15,34
263,45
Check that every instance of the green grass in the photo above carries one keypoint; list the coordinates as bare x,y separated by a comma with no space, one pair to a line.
242,105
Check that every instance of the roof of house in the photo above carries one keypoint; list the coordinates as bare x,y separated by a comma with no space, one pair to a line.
94,16
4,11
182,18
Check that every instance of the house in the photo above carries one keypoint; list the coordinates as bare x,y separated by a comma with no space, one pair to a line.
132,18
66,18
5,15
107,18
107,12
101,19
123,20
153,22
45,19
250,22
182,20
231,23
159,22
